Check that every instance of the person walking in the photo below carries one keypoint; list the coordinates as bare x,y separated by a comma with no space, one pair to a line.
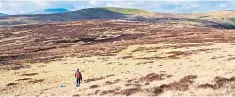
78,76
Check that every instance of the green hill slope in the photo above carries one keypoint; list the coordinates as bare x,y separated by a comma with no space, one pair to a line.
89,13
130,11
212,15
225,18
233,20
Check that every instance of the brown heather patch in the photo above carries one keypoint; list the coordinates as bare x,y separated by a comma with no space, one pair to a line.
151,77
181,85
11,84
76,95
140,49
93,79
207,86
127,57
96,79
217,57
107,92
144,62
168,76
151,58
23,79
233,58
188,79
130,80
36,81
30,74
219,83
108,83
14,66
117,80
97,91
93,86
48,42
128,92
179,54
191,45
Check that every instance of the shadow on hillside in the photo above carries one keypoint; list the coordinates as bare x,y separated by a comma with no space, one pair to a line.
91,13
207,23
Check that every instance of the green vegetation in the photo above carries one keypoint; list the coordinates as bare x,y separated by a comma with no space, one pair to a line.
108,13
227,25
128,11
83,14
233,20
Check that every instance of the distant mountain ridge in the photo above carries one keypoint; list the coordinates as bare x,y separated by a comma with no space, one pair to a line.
83,14
219,17
3,14
49,11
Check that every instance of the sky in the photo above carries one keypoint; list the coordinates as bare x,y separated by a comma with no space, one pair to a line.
13,7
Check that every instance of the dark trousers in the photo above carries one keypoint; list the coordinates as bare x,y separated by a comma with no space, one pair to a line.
77,82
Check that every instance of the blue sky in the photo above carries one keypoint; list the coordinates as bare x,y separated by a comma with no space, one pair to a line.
168,6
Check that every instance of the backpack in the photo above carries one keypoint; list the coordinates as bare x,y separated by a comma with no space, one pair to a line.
78,74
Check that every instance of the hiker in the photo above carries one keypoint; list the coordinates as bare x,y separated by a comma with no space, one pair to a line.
78,76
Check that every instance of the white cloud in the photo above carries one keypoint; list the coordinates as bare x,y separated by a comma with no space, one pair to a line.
22,6
92,2
112,5
194,5
124,4
175,2
222,5
41,3
1,5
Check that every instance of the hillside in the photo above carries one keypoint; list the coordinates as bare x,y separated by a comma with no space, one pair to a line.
228,15
117,58
233,20
130,11
213,15
90,13
220,19
119,51
3,14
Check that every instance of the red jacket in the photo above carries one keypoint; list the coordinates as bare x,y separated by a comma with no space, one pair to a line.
78,75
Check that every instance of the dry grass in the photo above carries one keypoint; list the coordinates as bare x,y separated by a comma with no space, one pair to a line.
151,77
181,85
219,83
115,58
